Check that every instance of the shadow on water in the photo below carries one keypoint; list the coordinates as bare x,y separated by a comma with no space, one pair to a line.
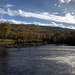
4,52
4,62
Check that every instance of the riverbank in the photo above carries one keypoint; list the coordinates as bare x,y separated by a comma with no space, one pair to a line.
20,45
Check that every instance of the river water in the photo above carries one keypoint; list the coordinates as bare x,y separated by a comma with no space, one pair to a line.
43,60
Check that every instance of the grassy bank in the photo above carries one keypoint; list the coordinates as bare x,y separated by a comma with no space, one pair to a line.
7,41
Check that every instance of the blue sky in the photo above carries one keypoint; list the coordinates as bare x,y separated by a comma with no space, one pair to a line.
58,13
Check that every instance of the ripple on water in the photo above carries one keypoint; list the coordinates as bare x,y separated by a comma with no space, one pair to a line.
43,60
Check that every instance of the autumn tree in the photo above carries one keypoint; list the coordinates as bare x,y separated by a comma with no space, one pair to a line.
4,30
57,36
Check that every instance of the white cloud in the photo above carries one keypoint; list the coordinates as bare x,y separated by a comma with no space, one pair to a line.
53,24
68,15
13,21
68,18
45,13
73,13
61,25
59,6
8,5
55,4
2,11
55,13
65,1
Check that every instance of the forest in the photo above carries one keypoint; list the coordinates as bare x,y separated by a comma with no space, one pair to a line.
36,34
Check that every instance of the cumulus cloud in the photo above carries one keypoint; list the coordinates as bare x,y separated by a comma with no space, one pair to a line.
53,24
8,5
65,1
68,18
13,21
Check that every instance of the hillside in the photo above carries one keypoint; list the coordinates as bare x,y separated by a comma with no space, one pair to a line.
40,29
39,34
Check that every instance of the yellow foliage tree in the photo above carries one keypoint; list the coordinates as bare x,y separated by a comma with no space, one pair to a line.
4,29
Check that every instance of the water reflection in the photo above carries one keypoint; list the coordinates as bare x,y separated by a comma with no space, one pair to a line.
4,62
4,52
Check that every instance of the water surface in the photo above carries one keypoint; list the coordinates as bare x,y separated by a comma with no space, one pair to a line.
43,60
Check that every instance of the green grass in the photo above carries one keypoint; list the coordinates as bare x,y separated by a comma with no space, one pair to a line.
6,41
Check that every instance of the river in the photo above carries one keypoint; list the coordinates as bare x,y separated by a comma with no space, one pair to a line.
43,60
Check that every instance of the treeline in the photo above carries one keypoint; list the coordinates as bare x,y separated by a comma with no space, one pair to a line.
68,37
33,33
